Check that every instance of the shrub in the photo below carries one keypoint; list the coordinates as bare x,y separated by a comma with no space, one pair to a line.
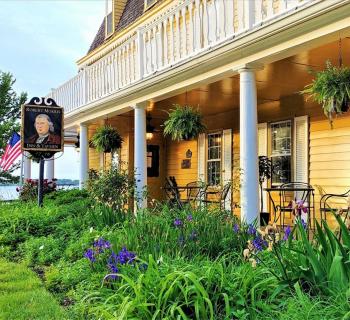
42,251
112,187
29,190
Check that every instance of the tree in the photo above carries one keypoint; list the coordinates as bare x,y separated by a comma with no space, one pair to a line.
10,111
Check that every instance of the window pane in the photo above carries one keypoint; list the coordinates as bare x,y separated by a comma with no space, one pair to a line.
214,153
214,159
281,172
281,138
214,175
281,152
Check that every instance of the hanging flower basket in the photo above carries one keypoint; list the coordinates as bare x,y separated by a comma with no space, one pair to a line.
331,89
106,139
184,123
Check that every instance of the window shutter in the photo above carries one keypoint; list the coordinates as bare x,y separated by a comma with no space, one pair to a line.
301,149
262,151
227,163
201,157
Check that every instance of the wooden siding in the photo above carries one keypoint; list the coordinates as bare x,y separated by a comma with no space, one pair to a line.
176,152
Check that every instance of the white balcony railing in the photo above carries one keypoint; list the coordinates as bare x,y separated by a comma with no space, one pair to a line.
168,38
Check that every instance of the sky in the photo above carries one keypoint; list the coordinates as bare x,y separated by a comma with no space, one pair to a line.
40,42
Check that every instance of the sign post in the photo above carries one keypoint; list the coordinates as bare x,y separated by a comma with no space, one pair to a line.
42,133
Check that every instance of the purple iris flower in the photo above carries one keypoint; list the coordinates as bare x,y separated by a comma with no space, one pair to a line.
287,233
189,217
177,222
251,230
90,255
100,244
259,244
304,224
125,256
236,228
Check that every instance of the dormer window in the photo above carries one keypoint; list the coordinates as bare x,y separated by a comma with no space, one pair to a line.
109,18
149,3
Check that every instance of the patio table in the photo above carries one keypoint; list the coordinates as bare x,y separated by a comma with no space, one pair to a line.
182,189
308,197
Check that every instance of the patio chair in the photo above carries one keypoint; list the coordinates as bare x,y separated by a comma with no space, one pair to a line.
173,193
295,191
219,196
196,191
327,204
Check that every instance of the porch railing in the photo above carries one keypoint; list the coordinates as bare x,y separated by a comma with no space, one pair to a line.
170,37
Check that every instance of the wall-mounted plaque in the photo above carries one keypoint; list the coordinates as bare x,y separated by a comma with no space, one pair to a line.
188,153
186,164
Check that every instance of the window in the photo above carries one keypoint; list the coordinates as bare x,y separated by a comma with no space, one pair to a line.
281,137
214,159
109,17
149,3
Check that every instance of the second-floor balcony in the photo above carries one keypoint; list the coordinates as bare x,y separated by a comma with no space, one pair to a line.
174,35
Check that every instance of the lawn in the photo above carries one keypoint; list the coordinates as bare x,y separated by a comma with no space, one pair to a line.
102,262
23,296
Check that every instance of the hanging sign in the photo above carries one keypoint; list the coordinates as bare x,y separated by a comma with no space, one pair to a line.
42,133
42,126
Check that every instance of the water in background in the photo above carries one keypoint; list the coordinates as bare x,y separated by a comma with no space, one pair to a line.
8,193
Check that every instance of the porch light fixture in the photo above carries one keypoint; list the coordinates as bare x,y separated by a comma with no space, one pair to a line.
149,128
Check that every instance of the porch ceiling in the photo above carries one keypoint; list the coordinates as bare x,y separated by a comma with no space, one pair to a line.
277,80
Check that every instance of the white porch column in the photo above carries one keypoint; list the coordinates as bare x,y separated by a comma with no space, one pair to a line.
248,146
140,156
84,155
50,169
27,166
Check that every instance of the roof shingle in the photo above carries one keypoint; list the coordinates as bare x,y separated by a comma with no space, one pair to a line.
133,10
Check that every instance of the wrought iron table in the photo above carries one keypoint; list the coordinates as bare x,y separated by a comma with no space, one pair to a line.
302,196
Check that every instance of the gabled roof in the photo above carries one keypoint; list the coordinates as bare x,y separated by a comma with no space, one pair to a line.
133,10
99,38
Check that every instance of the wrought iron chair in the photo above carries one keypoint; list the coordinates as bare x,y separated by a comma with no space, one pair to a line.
219,196
327,203
298,192
173,193
196,192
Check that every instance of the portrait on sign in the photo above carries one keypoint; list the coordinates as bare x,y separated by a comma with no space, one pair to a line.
42,128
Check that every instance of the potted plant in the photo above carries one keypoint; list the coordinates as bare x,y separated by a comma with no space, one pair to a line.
184,123
331,88
264,175
106,139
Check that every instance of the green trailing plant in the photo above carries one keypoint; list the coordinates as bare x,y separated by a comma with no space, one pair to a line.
184,123
106,139
331,89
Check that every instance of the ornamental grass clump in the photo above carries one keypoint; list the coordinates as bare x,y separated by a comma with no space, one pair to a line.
184,123
321,266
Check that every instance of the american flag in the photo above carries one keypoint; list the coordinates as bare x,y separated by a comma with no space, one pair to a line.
12,152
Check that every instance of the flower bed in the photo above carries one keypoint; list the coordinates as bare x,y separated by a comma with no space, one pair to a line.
170,264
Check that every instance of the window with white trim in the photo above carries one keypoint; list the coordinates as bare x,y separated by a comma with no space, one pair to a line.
109,17
281,152
214,159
